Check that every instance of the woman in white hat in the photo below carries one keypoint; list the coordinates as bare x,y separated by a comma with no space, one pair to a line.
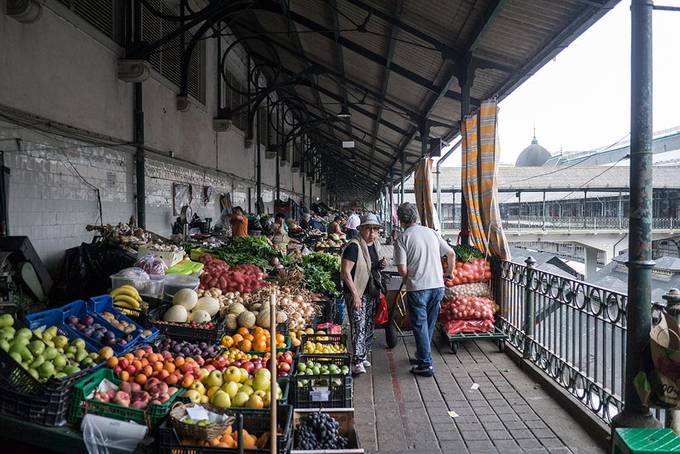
360,269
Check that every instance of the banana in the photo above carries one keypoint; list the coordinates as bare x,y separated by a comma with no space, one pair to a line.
134,304
126,290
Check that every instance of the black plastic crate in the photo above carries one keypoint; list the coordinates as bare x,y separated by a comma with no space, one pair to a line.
183,331
321,391
47,410
330,339
145,316
281,328
255,422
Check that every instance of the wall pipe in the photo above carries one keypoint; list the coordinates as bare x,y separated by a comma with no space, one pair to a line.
640,263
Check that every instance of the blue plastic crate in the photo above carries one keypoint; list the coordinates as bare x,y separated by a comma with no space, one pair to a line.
102,303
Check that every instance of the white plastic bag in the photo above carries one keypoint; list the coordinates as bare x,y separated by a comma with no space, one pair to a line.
110,436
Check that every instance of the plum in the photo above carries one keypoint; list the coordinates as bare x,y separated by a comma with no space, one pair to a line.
87,320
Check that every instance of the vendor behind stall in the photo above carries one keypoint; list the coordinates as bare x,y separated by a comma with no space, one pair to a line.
334,229
280,237
239,223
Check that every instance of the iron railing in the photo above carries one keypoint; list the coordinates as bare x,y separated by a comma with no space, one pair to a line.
572,330
514,223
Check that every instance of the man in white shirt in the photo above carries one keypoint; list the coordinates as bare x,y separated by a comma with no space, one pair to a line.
352,224
417,254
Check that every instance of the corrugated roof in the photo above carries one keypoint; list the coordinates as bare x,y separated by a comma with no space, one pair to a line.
423,43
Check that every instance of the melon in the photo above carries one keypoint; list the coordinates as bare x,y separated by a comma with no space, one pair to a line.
186,297
236,309
263,319
247,319
232,322
281,317
176,313
209,304
199,316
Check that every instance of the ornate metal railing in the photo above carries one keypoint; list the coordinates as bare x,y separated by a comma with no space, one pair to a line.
572,330
514,223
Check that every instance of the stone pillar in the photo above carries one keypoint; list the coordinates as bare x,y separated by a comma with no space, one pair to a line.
591,261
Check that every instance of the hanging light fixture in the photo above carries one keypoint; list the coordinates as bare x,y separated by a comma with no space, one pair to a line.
344,112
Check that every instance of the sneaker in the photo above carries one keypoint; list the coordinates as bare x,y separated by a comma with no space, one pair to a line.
366,363
358,369
413,361
422,371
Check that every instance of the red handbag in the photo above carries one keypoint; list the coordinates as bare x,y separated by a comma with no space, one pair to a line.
381,312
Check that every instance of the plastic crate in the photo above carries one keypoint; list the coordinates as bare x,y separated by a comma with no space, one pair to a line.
155,344
46,410
645,441
255,422
324,339
281,328
151,416
151,310
345,419
183,331
104,303
319,391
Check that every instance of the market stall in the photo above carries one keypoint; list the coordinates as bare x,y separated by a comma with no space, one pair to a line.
215,344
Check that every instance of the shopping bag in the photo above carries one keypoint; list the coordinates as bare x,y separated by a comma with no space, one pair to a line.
381,312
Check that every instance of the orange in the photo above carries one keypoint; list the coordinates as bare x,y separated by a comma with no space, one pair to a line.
237,338
158,366
130,357
112,362
243,331
260,345
140,378
170,367
250,337
258,330
179,361
137,364
245,345
124,375
280,339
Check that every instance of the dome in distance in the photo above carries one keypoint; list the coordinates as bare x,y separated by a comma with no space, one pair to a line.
533,156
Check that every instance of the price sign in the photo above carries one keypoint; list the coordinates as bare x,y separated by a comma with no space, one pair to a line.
320,394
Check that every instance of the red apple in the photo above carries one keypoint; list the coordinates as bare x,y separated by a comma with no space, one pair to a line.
249,366
124,363
284,367
131,370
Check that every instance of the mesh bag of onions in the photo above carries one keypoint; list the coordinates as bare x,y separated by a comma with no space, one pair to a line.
467,314
459,291
468,326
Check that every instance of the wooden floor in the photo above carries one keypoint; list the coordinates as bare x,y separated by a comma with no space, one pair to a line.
399,413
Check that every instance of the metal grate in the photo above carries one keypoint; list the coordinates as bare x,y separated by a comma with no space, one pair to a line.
166,61
104,15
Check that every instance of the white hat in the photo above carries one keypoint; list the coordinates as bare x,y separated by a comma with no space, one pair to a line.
370,219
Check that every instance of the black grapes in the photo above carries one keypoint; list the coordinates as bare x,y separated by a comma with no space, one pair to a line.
319,431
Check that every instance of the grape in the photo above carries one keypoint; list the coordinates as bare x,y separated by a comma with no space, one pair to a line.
319,431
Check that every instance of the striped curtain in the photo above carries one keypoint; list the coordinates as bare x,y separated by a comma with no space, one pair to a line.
478,174
422,186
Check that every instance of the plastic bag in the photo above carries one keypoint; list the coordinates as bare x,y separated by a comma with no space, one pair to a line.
467,308
152,265
381,311
108,436
468,326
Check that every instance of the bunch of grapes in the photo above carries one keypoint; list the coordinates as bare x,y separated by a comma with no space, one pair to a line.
319,431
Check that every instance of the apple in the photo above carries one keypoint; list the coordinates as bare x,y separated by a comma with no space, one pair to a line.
240,399
255,401
198,386
249,366
244,374
214,378
230,388
193,395
264,372
284,367
261,383
232,373
247,389
221,399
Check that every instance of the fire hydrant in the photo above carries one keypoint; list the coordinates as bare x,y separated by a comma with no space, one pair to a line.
672,298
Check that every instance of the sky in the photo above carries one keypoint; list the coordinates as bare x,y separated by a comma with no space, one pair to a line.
581,99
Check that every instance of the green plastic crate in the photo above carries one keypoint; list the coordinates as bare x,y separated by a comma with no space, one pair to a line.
645,441
153,415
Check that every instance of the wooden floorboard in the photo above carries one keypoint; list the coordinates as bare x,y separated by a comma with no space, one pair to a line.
507,412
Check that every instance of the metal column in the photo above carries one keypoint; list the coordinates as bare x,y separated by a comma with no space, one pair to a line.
640,263
140,153
465,81
401,185
543,210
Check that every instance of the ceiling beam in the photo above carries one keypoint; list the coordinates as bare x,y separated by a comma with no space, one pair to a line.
394,30
423,82
340,61
488,18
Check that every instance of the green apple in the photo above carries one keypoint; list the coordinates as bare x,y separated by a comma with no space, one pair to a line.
232,373
240,399
36,347
221,400
247,389
244,374
230,388
263,372
6,320
59,362
199,387
193,396
50,353
214,379
46,370
7,333
261,383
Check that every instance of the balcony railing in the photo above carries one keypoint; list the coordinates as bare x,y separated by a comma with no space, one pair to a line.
572,330
515,223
